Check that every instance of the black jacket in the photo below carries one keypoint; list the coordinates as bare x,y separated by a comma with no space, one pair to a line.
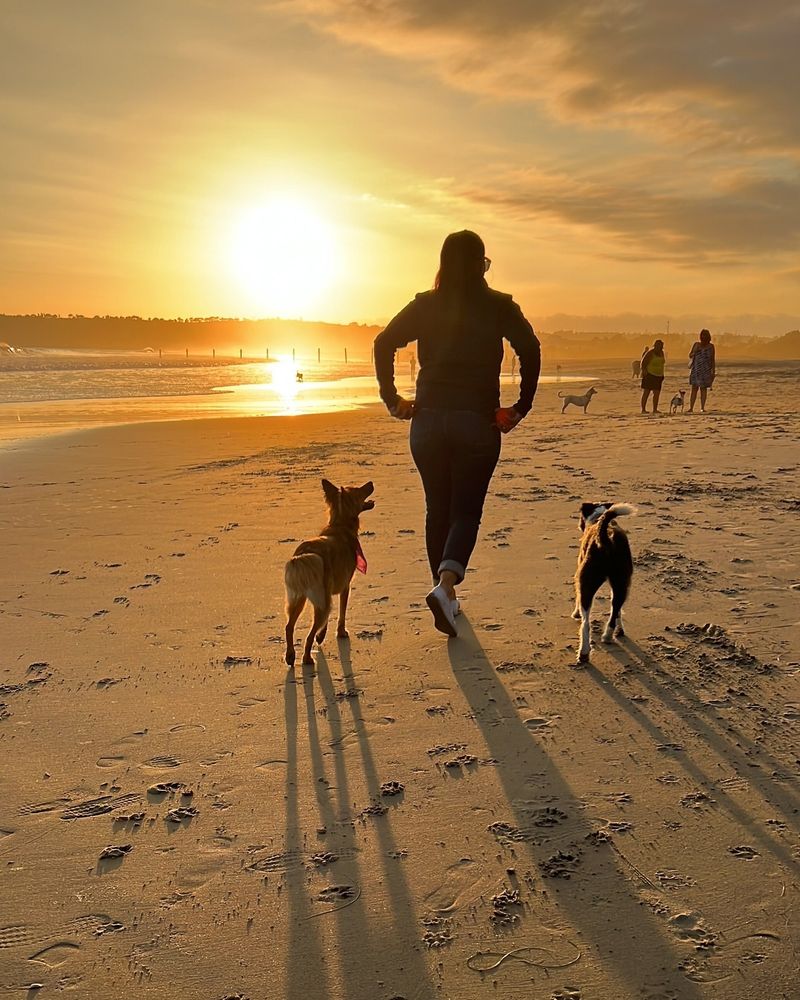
460,350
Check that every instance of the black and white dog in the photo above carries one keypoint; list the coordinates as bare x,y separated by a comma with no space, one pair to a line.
676,403
604,555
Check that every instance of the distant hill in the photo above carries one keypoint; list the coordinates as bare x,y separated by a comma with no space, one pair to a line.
255,337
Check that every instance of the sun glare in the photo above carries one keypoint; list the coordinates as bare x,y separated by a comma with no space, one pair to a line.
283,379
283,257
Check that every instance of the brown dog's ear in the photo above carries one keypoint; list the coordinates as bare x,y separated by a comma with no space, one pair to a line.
330,491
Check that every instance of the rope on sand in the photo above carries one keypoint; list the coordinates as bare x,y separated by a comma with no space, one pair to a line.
648,882
516,955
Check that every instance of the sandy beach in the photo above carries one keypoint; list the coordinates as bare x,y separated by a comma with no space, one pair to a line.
414,818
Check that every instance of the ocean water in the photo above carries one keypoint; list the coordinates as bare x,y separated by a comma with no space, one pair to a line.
45,392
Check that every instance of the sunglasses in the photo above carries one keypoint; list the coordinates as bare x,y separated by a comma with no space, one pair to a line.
486,264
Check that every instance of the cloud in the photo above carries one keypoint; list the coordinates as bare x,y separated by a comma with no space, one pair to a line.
634,217
709,72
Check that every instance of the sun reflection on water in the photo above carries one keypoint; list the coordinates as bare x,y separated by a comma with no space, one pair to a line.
283,379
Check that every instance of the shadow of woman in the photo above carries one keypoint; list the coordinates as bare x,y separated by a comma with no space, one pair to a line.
600,901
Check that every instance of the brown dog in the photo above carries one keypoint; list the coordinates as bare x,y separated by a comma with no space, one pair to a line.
324,566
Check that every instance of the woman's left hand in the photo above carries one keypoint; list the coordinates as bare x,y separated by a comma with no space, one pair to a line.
506,418
403,409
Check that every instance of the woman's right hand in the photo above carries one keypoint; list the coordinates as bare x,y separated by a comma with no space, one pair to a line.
403,409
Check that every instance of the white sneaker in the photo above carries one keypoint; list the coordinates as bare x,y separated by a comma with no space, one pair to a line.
442,610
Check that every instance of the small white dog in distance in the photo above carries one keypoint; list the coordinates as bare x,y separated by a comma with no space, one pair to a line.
604,555
583,400
676,403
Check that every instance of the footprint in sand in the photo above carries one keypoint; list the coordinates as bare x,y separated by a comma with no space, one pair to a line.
284,861
132,738
188,727
658,992
21,935
671,879
538,723
216,757
745,852
33,809
55,955
463,883
98,807
111,761
162,762
697,800
107,682
159,791
689,927
182,815
561,865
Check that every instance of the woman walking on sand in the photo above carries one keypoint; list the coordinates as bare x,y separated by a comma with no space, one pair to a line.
703,369
652,374
456,418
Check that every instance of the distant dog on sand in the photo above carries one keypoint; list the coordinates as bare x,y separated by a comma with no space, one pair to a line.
577,400
324,566
676,403
604,555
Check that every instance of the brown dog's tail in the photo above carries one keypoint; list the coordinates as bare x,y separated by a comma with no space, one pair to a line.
615,510
304,577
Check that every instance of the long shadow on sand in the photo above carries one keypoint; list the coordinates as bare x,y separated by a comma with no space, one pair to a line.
396,946
379,951
346,911
306,977
734,758
344,942
600,900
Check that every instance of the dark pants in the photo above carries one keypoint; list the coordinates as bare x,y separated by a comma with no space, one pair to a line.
456,452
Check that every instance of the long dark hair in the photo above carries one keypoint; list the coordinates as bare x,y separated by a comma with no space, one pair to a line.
461,264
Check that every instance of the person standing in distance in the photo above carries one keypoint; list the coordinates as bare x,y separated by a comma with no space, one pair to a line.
456,417
653,374
703,369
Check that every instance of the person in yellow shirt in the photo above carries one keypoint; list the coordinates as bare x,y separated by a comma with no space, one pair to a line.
653,374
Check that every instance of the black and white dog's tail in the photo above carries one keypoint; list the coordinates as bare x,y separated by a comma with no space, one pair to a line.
615,510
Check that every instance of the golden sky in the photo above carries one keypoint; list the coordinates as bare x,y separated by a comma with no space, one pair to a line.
306,157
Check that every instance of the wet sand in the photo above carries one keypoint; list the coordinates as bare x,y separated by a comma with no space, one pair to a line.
413,818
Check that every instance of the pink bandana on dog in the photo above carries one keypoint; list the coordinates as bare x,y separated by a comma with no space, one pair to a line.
361,559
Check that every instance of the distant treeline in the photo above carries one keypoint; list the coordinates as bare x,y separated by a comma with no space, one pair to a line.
255,337
198,335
